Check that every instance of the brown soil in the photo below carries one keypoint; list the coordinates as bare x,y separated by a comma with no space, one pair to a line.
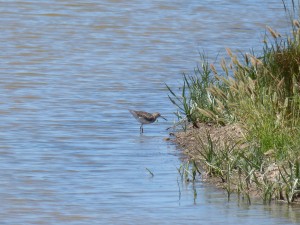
220,135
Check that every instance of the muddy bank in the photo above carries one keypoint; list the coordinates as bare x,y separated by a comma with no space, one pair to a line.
259,183
220,135
192,140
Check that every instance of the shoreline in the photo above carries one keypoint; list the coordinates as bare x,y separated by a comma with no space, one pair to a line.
193,142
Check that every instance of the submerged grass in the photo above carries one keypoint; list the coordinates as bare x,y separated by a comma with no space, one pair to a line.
262,95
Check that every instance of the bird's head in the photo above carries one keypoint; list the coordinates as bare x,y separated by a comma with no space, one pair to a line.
156,115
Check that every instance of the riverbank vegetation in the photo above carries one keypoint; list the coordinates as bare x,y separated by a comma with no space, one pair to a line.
258,96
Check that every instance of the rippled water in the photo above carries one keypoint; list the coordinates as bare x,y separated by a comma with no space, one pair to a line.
70,153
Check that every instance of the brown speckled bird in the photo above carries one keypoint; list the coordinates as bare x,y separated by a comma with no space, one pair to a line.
145,118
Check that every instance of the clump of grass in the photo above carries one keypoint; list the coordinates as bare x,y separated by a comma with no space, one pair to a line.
262,95
189,171
194,95
290,178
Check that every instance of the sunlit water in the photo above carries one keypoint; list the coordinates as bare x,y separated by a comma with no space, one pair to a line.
70,152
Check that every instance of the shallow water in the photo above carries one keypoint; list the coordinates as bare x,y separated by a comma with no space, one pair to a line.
70,151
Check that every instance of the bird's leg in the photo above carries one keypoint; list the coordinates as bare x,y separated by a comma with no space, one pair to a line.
141,129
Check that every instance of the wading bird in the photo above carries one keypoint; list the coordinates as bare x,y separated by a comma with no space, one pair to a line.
145,118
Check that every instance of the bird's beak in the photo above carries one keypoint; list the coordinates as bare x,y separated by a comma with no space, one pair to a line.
163,118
